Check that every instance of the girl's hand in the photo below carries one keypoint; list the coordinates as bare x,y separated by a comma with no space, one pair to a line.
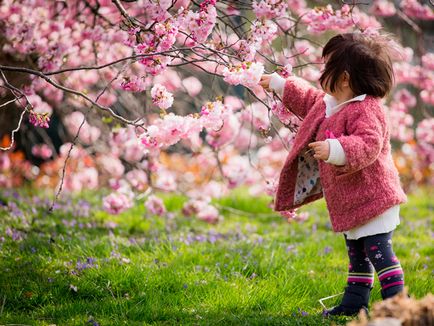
265,82
321,149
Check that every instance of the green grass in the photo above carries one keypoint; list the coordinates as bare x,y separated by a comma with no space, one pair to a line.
252,268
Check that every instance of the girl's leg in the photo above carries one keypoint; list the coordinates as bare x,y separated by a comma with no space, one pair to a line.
380,253
360,280
360,269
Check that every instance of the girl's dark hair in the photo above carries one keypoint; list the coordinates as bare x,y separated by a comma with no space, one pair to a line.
365,58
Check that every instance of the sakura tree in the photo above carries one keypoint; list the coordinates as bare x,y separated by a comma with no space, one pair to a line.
163,95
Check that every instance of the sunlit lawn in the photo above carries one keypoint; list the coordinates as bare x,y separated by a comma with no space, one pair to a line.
252,268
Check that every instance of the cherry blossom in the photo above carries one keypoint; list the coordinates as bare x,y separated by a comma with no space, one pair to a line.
247,74
415,9
383,8
155,205
116,203
43,151
161,97
269,8
321,19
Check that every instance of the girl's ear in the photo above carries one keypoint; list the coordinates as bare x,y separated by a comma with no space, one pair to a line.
345,79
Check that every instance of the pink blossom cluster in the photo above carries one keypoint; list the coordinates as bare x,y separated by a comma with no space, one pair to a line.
117,202
137,179
246,50
245,139
236,171
161,39
48,91
202,209
321,19
425,131
40,111
425,137
5,162
88,134
427,96
428,61
263,32
405,97
38,119
415,9
227,133
23,169
272,156
169,130
427,83
421,77
405,73
257,114
124,143
283,114
246,73
155,205
271,187
154,64
82,176
306,50
383,8
368,24
133,84
400,122
212,189
161,97
109,164
36,27
192,85
166,35
294,216
213,114
156,11
166,180
198,25
269,8
297,6
286,70
42,151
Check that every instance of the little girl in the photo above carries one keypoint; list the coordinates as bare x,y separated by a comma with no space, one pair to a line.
342,151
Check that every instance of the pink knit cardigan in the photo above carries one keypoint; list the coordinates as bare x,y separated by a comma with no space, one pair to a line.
363,188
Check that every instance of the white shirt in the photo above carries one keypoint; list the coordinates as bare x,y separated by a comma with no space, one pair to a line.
383,223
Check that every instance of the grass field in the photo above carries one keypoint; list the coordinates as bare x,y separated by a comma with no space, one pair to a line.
81,266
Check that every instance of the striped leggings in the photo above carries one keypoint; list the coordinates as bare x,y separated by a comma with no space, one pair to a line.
371,252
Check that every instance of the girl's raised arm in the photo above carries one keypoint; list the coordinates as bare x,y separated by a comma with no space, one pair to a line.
298,95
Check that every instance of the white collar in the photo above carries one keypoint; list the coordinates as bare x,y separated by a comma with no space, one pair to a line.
332,108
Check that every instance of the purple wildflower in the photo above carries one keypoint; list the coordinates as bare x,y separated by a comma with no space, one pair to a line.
290,248
327,250
93,321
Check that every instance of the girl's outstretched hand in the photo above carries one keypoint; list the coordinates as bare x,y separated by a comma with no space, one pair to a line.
321,150
265,82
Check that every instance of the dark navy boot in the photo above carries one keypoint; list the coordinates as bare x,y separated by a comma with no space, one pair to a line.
391,292
355,298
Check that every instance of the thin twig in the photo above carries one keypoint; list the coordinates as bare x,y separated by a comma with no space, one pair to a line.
11,101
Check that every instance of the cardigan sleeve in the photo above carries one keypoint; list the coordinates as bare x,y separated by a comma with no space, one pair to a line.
299,95
366,130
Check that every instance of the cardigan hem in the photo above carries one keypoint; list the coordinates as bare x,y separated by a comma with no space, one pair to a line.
281,208
367,216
